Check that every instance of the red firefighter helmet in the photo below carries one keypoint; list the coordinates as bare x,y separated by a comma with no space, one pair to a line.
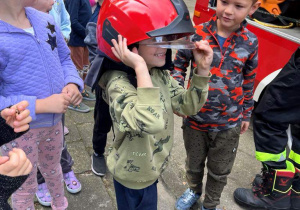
137,20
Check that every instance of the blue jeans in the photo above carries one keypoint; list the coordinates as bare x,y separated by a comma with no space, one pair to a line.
130,199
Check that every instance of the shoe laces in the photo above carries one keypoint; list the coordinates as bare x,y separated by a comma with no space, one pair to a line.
266,185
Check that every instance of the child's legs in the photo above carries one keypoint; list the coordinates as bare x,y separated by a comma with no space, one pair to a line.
130,199
50,148
77,56
66,163
85,58
196,146
220,159
66,160
23,197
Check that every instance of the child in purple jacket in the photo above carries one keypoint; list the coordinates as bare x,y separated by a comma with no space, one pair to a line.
35,65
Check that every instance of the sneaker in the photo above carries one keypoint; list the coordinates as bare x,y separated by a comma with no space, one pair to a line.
80,108
72,183
98,164
87,95
43,195
187,199
203,208
66,131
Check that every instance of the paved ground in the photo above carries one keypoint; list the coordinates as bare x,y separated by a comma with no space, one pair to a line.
98,193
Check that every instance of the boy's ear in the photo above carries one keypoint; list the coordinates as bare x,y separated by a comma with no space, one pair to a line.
254,7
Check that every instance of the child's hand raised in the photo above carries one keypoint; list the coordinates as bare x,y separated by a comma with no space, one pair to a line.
17,116
129,58
17,164
203,55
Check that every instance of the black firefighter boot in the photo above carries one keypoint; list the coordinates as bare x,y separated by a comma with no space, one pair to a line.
295,194
272,193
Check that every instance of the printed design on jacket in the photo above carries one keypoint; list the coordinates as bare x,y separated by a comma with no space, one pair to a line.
120,100
123,125
174,91
165,77
199,92
51,39
166,124
130,167
159,144
164,165
162,102
180,99
51,28
131,135
141,125
153,112
113,114
233,69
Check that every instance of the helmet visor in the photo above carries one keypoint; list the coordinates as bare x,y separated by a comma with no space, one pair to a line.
170,42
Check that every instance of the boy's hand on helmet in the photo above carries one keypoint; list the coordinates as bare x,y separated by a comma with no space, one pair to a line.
129,58
203,55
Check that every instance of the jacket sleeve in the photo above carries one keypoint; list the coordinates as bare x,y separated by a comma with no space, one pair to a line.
249,73
73,10
70,72
190,101
7,133
11,100
65,21
6,101
91,40
181,62
134,109
7,187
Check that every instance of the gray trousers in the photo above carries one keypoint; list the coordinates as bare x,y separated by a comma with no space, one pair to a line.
219,148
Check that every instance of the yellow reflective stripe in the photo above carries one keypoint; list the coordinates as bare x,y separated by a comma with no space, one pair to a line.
295,157
263,156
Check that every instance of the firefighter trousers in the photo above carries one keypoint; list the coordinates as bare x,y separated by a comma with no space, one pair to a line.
278,108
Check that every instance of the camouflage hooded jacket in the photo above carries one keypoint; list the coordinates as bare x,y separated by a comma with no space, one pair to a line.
230,96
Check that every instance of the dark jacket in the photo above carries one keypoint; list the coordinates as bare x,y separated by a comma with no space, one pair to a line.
80,13
94,17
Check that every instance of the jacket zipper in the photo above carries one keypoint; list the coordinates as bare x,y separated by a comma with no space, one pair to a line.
43,57
222,54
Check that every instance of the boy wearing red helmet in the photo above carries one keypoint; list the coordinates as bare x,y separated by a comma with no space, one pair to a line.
142,113
213,133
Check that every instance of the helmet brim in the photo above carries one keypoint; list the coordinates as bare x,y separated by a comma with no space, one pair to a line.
170,42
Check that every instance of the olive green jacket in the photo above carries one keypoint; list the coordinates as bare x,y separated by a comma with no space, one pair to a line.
143,122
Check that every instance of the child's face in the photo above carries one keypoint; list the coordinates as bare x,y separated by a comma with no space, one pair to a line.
43,5
231,13
154,57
